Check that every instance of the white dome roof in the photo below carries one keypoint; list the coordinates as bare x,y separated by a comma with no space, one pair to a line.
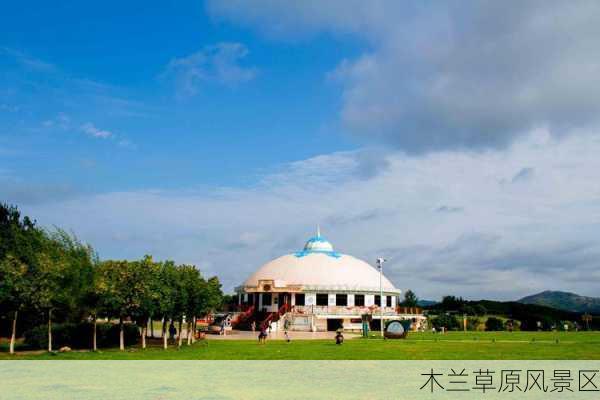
319,267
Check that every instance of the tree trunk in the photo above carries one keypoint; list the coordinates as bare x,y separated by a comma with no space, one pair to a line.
194,330
121,335
95,335
164,327
164,334
144,331
179,335
13,335
189,332
49,330
151,327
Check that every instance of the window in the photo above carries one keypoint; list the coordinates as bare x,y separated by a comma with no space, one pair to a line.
322,299
300,299
359,300
377,300
388,301
341,299
266,299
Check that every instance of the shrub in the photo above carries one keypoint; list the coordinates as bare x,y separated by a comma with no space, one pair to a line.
474,324
494,324
447,321
79,336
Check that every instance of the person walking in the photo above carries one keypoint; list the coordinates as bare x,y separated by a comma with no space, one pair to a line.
262,336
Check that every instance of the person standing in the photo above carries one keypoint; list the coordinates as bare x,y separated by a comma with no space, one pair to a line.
172,331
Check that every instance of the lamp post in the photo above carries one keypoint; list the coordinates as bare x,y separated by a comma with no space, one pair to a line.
380,262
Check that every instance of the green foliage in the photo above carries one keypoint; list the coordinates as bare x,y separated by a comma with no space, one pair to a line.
410,299
480,310
19,237
15,286
473,324
494,324
78,335
51,274
449,322
526,315
564,301
452,303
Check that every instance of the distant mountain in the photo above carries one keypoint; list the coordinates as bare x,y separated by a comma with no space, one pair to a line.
564,301
426,303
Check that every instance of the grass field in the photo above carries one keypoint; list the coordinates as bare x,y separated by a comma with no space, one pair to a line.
418,346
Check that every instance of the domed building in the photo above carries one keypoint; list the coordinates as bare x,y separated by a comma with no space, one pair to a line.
318,289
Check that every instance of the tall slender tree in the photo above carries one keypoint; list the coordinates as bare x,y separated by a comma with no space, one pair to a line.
47,292
14,291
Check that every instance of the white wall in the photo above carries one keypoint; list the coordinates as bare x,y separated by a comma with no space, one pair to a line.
350,300
332,299
310,299
369,300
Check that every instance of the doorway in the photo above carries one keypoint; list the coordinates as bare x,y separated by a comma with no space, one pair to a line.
334,324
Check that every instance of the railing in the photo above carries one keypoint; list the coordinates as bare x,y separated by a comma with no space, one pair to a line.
274,316
409,310
343,310
243,316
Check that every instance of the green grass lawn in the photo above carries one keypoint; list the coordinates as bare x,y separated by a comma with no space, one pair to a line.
418,346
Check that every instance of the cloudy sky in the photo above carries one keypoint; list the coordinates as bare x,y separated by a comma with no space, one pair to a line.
460,140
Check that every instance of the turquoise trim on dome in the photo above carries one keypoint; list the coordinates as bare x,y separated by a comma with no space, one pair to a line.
304,253
317,245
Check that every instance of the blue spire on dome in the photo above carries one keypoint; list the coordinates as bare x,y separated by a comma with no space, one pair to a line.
318,244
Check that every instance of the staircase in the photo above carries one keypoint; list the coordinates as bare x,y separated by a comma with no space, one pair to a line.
244,319
275,316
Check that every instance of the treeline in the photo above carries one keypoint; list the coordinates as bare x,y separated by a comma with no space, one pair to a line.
530,316
49,276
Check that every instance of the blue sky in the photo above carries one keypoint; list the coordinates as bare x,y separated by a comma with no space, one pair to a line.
99,66
459,140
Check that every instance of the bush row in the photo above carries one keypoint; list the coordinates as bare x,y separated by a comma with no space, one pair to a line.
79,335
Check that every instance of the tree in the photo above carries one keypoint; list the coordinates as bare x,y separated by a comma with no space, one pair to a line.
92,302
195,286
79,262
19,237
166,292
214,295
14,291
47,292
494,324
447,321
410,299
480,310
452,303
147,295
121,287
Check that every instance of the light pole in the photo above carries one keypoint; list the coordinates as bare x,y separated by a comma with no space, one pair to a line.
380,262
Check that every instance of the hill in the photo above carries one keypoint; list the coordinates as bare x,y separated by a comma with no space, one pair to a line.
564,301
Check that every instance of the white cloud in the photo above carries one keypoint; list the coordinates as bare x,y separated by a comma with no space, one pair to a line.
452,74
61,121
91,130
219,63
450,223
27,61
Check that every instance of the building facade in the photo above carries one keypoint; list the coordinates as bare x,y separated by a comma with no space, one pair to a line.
319,289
